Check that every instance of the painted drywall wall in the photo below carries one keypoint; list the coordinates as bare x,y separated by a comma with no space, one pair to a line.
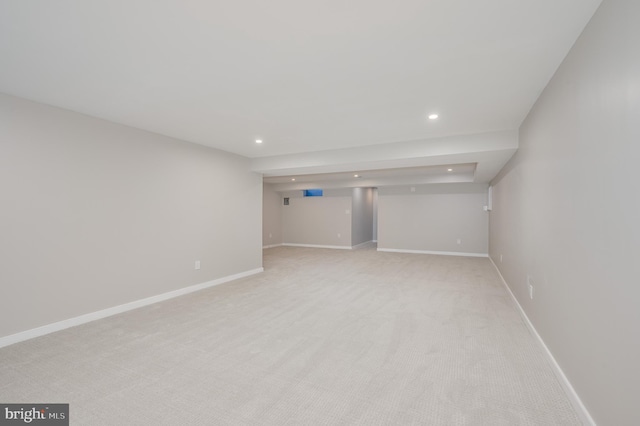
95,214
271,216
375,214
320,221
433,218
362,216
566,209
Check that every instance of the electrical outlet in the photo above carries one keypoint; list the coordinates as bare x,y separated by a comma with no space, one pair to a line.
459,241
270,235
339,235
197,264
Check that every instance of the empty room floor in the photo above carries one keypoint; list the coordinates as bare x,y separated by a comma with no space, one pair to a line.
322,337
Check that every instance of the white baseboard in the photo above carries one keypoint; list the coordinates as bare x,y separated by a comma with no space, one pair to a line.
317,246
576,402
82,319
362,244
442,253
271,246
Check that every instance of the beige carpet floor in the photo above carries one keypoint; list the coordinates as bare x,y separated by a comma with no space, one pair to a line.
322,337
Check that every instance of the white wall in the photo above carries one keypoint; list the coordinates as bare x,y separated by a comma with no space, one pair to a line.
433,218
362,216
95,214
566,209
271,216
324,221
375,214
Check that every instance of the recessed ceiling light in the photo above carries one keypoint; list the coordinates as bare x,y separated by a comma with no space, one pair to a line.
449,170
258,141
433,116
293,179
356,176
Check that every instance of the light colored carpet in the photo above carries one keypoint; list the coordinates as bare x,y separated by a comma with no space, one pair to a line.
322,337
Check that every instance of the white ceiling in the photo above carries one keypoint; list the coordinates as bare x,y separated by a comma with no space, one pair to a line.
451,169
449,173
302,76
